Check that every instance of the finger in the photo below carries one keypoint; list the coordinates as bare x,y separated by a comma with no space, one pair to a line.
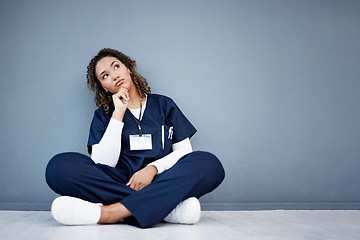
122,88
129,182
117,95
120,96
127,95
124,95
135,187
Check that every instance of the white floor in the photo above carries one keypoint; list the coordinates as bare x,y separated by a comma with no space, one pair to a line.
220,225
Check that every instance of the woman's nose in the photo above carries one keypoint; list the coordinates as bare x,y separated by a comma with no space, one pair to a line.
115,77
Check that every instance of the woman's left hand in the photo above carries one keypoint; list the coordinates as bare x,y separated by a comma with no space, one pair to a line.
142,178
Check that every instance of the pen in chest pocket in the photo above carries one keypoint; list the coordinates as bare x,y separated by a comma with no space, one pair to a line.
171,132
162,136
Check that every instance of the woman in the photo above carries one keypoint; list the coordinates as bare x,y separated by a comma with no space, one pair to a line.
142,168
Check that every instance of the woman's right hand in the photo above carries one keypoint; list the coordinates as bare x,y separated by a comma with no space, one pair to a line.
120,100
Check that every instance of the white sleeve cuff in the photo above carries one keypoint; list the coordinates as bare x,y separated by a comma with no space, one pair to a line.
180,149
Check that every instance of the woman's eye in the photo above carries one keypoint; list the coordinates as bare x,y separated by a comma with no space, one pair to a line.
105,76
117,67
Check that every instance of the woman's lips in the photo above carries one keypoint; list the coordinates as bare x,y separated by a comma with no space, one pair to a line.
118,83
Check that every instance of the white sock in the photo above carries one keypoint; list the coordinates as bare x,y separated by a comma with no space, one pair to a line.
75,211
186,212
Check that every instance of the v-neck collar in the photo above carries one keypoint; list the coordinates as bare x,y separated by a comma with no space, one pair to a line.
135,111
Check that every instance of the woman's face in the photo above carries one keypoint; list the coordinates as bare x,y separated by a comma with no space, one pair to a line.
113,74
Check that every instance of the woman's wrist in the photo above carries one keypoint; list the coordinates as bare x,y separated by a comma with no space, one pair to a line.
118,115
153,169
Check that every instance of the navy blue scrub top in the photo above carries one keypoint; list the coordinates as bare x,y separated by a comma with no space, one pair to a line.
160,111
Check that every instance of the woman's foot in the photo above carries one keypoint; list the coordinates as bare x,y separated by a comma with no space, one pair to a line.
75,211
186,212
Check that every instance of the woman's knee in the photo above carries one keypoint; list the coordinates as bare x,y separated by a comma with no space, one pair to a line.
208,165
214,166
62,168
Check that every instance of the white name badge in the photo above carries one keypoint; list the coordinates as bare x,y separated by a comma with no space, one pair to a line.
138,142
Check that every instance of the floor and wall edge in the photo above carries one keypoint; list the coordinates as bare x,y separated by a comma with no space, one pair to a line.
215,206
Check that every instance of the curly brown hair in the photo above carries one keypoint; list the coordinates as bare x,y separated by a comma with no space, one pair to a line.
103,98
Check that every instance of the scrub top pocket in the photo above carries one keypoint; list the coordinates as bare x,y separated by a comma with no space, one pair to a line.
166,137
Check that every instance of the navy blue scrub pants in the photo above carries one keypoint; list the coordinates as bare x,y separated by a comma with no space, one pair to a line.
76,175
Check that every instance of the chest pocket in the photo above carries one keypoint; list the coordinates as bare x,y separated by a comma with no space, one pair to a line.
166,137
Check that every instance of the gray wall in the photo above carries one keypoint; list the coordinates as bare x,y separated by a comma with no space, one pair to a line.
272,86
